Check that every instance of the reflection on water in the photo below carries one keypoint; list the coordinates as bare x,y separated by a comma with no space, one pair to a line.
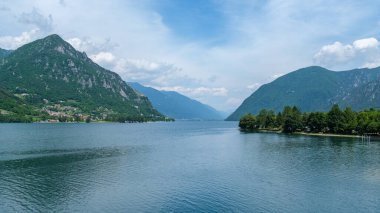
181,167
52,179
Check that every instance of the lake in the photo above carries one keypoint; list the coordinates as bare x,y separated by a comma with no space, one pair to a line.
182,167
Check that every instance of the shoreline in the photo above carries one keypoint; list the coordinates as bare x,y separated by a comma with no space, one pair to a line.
83,122
328,135
307,134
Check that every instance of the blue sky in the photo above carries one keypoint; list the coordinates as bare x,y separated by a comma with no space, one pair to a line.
216,51
193,20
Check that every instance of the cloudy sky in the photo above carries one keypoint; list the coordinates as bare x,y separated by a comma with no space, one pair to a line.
216,51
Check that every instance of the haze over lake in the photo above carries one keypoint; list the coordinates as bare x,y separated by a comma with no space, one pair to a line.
182,167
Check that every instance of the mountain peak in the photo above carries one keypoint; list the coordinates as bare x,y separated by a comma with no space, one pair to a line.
54,41
55,37
52,44
312,69
50,41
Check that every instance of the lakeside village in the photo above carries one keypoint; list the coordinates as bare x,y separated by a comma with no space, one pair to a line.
68,112
58,113
334,122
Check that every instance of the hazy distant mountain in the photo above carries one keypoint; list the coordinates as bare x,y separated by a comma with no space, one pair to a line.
50,71
316,89
176,105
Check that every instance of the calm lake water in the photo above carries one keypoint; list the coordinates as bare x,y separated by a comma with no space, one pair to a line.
182,167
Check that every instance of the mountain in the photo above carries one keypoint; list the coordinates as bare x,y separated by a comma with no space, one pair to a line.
176,105
4,53
15,109
316,89
51,74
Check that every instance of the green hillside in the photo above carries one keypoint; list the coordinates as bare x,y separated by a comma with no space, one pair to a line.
15,109
50,74
315,89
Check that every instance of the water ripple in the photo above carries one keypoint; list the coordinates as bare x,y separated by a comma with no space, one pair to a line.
182,167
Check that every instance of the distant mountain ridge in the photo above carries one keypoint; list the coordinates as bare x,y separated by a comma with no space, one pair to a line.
177,106
50,71
316,89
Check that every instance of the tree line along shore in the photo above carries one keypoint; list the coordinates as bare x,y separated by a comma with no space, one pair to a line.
335,121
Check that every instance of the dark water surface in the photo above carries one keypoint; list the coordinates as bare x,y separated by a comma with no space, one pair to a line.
182,167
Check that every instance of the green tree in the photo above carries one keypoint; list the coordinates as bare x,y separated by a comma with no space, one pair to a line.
373,127
363,121
316,121
350,121
292,119
266,118
335,120
248,122
279,120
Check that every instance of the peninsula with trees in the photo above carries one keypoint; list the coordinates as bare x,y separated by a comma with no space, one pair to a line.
335,121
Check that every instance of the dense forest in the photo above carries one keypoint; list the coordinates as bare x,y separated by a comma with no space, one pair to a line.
336,121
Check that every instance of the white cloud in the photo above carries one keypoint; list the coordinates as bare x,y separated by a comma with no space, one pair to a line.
198,91
37,19
103,57
148,72
77,43
13,42
367,43
275,76
254,86
334,52
153,73
90,46
234,102
362,52
147,65
373,64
